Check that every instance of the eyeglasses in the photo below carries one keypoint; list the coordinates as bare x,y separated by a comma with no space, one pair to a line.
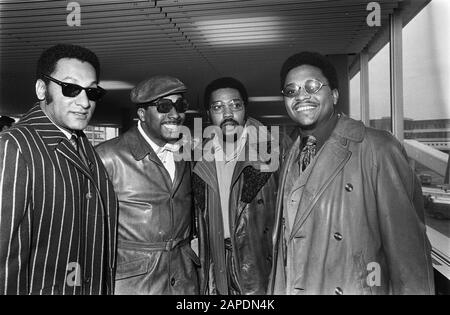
72,90
311,86
235,106
164,105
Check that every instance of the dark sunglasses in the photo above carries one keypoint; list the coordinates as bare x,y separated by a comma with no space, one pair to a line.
311,86
72,90
164,105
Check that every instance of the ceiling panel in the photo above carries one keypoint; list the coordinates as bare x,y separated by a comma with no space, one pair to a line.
195,40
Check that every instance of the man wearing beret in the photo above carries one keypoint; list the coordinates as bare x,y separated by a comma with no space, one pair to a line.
154,192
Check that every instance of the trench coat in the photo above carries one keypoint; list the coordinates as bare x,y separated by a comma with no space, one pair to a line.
360,224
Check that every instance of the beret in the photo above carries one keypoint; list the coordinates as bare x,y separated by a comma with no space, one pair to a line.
156,87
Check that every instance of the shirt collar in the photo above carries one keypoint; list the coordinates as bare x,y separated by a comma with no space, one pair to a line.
154,146
324,131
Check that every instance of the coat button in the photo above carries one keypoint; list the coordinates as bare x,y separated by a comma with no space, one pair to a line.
260,201
172,281
349,187
338,291
338,236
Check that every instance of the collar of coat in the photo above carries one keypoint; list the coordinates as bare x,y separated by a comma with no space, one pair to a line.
257,136
139,147
350,129
54,139
204,172
49,132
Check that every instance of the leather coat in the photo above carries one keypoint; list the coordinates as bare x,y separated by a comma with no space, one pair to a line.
361,225
252,210
155,219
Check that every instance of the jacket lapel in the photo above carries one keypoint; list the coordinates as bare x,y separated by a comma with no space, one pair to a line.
240,165
66,149
328,163
278,227
290,157
55,139
206,170
179,173
141,149
151,155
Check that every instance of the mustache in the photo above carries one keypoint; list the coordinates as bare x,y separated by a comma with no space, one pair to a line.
303,103
228,120
172,121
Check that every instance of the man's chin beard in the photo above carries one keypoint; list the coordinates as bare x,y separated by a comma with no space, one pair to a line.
230,137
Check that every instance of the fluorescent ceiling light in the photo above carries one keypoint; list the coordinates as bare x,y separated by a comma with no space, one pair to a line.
273,116
238,30
265,98
240,22
115,85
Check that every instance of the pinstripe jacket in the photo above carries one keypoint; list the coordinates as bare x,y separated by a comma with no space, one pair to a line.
57,216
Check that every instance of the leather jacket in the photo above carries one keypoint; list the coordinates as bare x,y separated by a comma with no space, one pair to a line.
252,208
155,219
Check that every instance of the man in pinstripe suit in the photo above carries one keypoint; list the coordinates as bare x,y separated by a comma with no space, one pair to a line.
57,207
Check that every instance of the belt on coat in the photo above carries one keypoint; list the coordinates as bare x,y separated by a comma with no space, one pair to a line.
151,247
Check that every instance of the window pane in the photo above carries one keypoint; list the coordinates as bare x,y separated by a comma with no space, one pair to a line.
379,92
99,134
426,77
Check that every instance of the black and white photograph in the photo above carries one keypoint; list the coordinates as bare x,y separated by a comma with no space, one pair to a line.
224,153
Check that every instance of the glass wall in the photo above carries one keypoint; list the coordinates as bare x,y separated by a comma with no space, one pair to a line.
99,134
426,77
379,92
427,107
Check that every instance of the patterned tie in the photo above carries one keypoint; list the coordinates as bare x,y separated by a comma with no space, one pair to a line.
172,147
76,146
308,151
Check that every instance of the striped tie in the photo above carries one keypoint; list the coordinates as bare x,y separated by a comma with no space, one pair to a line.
76,146
308,152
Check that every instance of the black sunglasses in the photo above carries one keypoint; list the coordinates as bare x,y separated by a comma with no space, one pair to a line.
164,105
72,90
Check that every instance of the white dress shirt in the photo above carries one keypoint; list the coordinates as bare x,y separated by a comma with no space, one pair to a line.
163,153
